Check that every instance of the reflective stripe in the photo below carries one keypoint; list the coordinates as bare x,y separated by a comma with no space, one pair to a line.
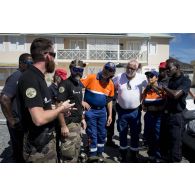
124,148
93,149
100,145
134,149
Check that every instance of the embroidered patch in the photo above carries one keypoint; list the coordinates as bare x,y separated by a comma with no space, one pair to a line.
31,92
61,89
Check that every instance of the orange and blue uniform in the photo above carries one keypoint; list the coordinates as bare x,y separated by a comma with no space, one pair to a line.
97,95
153,102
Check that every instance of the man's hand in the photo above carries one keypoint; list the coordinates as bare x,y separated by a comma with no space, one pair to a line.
109,120
12,122
85,105
83,124
64,131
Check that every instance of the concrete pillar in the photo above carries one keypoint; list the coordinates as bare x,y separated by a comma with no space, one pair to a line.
193,81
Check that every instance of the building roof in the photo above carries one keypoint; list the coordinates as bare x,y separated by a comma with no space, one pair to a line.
122,35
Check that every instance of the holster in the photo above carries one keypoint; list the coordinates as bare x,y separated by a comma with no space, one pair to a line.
43,139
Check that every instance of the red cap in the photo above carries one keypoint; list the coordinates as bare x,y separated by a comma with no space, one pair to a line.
61,73
163,65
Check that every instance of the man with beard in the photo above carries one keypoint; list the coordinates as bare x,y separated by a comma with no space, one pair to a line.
129,86
71,125
35,102
10,109
99,91
177,91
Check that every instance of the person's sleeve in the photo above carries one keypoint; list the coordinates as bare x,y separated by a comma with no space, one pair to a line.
185,86
115,81
112,89
86,80
145,81
62,91
31,92
10,86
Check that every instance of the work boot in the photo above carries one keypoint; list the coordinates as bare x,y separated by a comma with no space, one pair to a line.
134,156
123,156
111,144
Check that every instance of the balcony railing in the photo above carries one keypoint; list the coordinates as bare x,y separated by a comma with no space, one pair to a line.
84,54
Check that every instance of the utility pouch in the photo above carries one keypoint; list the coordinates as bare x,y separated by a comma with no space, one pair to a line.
43,138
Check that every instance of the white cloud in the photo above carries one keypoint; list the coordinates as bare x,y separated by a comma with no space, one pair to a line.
177,38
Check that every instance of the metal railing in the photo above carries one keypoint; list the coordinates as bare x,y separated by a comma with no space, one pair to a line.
84,54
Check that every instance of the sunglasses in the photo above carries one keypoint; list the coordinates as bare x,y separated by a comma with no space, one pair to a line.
128,85
27,62
109,69
77,70
53,54
150,76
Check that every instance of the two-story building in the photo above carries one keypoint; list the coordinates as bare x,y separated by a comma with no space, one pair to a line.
93,48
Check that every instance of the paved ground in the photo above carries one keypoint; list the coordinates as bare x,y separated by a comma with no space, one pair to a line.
110,153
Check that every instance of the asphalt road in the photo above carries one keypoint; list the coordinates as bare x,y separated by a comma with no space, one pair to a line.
110,153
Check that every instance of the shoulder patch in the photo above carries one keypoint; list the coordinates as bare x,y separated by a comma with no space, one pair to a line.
61,89
31,92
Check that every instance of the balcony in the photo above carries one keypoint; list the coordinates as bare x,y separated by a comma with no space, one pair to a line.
101,55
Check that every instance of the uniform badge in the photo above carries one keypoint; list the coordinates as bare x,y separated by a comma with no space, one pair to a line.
61,89
31,92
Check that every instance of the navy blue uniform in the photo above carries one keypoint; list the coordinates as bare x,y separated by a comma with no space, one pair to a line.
16,133
175,120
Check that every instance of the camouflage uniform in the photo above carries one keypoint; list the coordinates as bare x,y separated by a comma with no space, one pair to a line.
70,146
38,154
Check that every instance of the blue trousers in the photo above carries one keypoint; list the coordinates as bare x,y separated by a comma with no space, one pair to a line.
96,131
152,125
129,118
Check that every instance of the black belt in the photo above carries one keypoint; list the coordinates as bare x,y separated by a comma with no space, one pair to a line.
97,107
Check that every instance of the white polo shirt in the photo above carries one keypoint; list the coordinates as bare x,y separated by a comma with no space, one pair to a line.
129,98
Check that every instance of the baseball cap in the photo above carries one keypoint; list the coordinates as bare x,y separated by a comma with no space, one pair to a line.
163,65
77,63
61,73
151,73
110,66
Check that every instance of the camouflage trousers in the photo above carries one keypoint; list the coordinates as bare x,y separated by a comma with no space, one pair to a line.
70,146
47,154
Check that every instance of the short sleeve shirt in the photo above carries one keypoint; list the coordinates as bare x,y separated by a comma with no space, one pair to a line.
33,92
96,91
10,89
71,89
179,83
129,92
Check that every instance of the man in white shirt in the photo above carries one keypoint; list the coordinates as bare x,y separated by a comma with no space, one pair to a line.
129,86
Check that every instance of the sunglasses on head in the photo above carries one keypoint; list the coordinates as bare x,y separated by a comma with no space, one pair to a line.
109,69
53,54
77,69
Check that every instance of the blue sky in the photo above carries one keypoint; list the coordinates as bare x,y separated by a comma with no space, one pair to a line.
182,46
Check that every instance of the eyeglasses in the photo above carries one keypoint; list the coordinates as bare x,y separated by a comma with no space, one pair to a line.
77,70
109,69
53,54
133,69
128,85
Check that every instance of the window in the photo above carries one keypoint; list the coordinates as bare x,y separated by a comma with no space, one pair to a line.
77,44
103,44
152,48
134,45
16,43
2,46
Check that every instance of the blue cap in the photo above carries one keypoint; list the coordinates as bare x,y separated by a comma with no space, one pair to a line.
152,72
110,65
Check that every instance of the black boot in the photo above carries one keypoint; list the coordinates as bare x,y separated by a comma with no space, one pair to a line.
134,156
123,156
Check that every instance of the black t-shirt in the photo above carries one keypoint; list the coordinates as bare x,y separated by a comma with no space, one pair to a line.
10,89
71,89
179,83
33,92
53,89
